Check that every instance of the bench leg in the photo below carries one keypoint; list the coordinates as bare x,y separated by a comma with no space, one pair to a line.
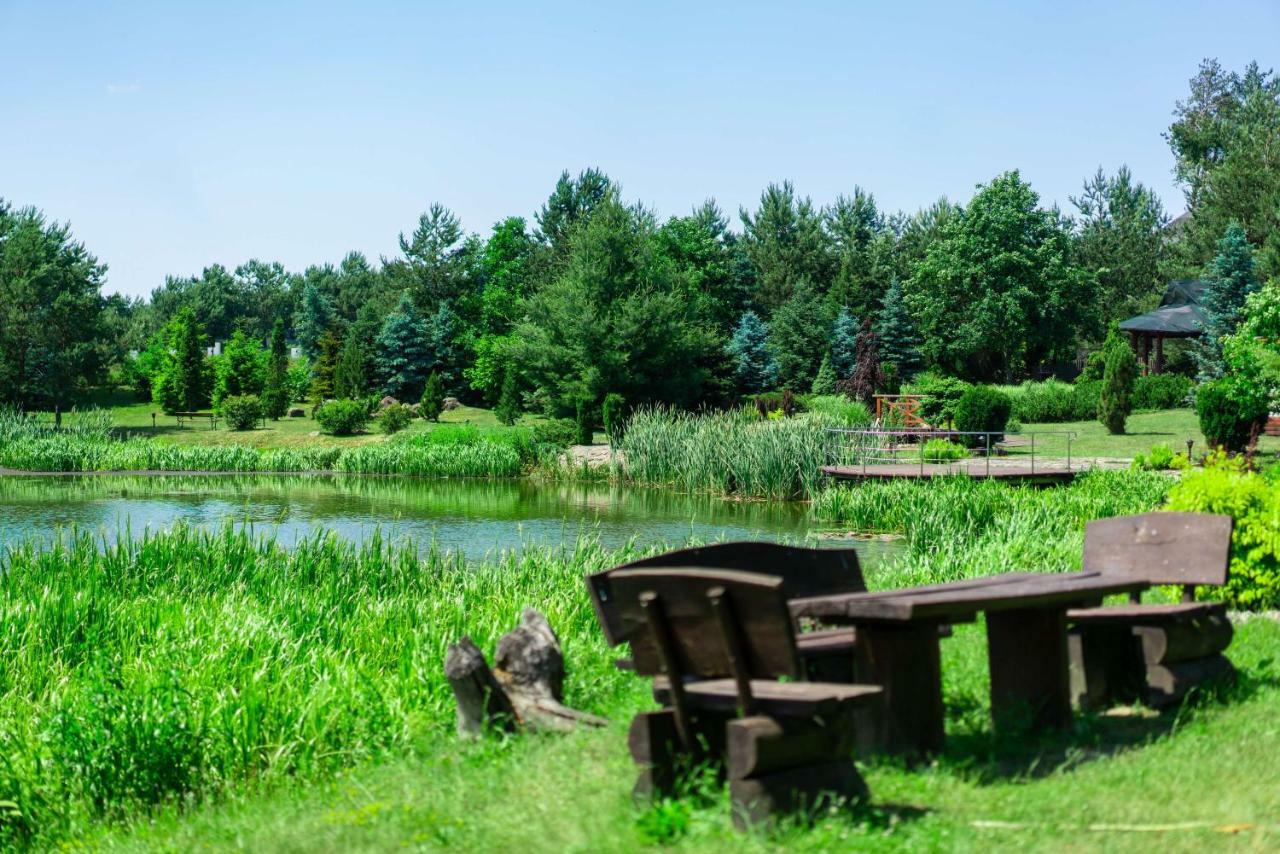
1106,666
906,662
1027,655
664,764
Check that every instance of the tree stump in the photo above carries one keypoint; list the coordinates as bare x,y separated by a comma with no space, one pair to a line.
525,687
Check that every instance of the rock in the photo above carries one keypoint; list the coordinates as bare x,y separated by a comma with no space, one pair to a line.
297,412
451,403
387,401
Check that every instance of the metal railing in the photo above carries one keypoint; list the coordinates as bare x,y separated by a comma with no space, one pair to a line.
906,446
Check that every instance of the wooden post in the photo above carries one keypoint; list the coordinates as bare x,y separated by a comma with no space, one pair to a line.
1159,354
1028,658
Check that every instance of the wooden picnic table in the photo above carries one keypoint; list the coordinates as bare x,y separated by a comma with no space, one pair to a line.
1026,616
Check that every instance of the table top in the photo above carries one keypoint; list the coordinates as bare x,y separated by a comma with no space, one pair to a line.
961,600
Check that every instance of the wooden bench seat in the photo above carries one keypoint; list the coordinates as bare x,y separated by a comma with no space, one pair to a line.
780,699
1153,654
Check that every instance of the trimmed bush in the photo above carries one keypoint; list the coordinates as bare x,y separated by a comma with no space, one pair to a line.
1053,401
1119,371
1230,413
394,417
242,411
582,434
983,409
432,398
342,417
556,432
941,393
1161,391
614,412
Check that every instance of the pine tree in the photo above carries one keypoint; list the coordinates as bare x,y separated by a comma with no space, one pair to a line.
825,381
899,342
313,318
186,387
844,345
348,375
755,370
1231,278
275,394
240,370
402,354
508,409
798,337
325,365
1119,374
432,403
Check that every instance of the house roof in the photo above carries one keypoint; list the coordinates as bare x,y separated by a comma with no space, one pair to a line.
1180,314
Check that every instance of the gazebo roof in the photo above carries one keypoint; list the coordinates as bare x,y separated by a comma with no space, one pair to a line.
1180,314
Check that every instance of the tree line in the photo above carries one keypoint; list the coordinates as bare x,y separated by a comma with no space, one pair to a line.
596,295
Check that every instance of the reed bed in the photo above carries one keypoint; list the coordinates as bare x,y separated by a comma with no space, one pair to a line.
166,667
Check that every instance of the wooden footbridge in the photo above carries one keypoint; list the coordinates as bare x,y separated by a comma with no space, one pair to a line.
897,454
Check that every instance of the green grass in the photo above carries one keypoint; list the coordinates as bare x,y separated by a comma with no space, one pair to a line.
1170,426
194,690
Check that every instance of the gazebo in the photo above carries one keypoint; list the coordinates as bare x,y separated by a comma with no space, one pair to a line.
1179,316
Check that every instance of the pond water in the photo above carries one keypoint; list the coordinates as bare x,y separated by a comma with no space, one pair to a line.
476,517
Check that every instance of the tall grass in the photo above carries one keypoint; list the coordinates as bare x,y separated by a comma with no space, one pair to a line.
729,453
164,668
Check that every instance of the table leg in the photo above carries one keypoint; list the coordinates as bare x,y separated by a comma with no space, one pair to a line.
1030,682
905,661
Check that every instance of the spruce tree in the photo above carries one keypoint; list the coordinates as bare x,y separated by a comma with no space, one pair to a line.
402,353
348,375
312,319
508,409
755,369
275,394
187,387
432,403
899,341
844,345
1119,374
825,381
325,365
1231,278
442,333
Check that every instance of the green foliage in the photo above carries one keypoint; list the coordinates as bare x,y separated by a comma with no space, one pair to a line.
402,352
998,291
788,248
838,410
241,370
184,384
276,391
298,379
798,337
942,451
1231,412
899,341
1160,458
614,412
342,417
1120,370
825,382
394,418
755,369
558,433
325,366
940,395
242,412
1254,503
1053,401
432,403
844,345
508,408
983,409
582,422
314,318
1161,391
349,380
1231,279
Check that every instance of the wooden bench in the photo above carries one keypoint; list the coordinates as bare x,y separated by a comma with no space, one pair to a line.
718,642
827,653
211,417
1153,654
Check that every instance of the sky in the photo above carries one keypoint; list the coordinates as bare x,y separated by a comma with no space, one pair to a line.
176,135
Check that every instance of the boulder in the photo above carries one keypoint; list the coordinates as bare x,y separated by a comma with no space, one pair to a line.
451,403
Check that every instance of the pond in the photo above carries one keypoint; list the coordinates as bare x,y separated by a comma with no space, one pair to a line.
476,517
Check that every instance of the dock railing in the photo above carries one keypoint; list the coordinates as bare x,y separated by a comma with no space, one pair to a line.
940,451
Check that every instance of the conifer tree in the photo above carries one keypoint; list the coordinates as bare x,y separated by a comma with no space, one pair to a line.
432,403
275,394
755,369
508,409
313,318
844,344
1231,278
185,385
798,337
1119,374
899,342
402,353
348,375
825,381
240,370
325,365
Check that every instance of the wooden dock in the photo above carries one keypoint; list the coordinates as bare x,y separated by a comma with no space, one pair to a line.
1019,472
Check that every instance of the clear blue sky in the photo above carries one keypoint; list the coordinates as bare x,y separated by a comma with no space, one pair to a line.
173,135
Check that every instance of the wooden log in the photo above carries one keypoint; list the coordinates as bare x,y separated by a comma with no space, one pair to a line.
481,700
761,745
757,801
1027,657
1169,683
1185,640
1106,666
529,666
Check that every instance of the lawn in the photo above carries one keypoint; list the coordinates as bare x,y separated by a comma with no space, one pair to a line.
1170,427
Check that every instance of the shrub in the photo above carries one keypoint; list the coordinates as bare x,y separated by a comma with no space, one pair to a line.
1085,398
1161,391
342,417
839,410
1053,401
508,408
1120,370
1230,413
556,432
242,411
941,393
1254,503
394,418
1160,458
983,409
942,451
614,413
582,433
432,398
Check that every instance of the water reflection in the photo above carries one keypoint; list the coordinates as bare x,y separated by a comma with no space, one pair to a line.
473,516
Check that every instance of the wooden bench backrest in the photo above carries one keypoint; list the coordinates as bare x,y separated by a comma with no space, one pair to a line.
761,622
804,572
1162,548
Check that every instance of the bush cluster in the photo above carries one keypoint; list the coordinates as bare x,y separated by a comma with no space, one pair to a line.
942,451
342,417
983,409
394,417
1161,391
1160,458
1230,414
242,412
941,394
